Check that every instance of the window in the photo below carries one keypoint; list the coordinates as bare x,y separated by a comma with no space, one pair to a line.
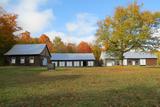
22,60
31,60
90,63
76,63
81,63
13,60
137,62
69,63
55,63
61,63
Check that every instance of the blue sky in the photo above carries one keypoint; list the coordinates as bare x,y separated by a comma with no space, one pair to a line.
72,20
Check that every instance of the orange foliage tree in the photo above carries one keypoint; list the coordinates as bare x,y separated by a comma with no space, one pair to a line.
25,38
71,48
45,39
84,47
8,26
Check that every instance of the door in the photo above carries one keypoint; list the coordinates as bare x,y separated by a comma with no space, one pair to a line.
44,62
84,63
133,62
142,61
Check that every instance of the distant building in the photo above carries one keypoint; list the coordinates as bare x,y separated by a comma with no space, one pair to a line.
73,59
130,58
28,55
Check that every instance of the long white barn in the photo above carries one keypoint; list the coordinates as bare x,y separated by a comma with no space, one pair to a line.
73,59
130,58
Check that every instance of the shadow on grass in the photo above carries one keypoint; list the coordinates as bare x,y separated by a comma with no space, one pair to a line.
128,97
37,79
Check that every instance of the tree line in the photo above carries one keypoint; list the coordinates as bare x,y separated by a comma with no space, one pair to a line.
56,45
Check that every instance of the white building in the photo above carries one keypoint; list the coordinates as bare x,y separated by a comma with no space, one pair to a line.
130,58
73,59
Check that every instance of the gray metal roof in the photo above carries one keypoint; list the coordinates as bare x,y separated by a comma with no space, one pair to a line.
26,49
127,55
139,55
72,56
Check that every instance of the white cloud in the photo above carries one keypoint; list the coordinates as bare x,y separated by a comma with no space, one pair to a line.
68,38
4,3
53,34
83,28
31,17
71,27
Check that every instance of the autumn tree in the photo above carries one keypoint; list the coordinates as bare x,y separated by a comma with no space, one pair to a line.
71,48
45,40
8,26
97,52
128,29
24,38
59,45
84,47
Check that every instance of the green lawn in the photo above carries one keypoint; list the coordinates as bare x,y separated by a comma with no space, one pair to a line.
80,87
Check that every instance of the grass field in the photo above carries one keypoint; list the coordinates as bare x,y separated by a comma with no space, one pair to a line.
80,87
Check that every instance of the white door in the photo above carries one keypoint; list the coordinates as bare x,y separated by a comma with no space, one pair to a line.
133,62
44,61
125,62
142,61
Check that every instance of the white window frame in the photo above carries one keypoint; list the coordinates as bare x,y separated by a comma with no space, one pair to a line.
90,63
61,63
69,64
13,60
76,63
22,60
31,59
55,62
82,63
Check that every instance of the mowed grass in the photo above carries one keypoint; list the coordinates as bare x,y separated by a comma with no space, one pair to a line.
80,87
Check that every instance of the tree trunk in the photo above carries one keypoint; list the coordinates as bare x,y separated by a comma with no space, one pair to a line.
121,58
